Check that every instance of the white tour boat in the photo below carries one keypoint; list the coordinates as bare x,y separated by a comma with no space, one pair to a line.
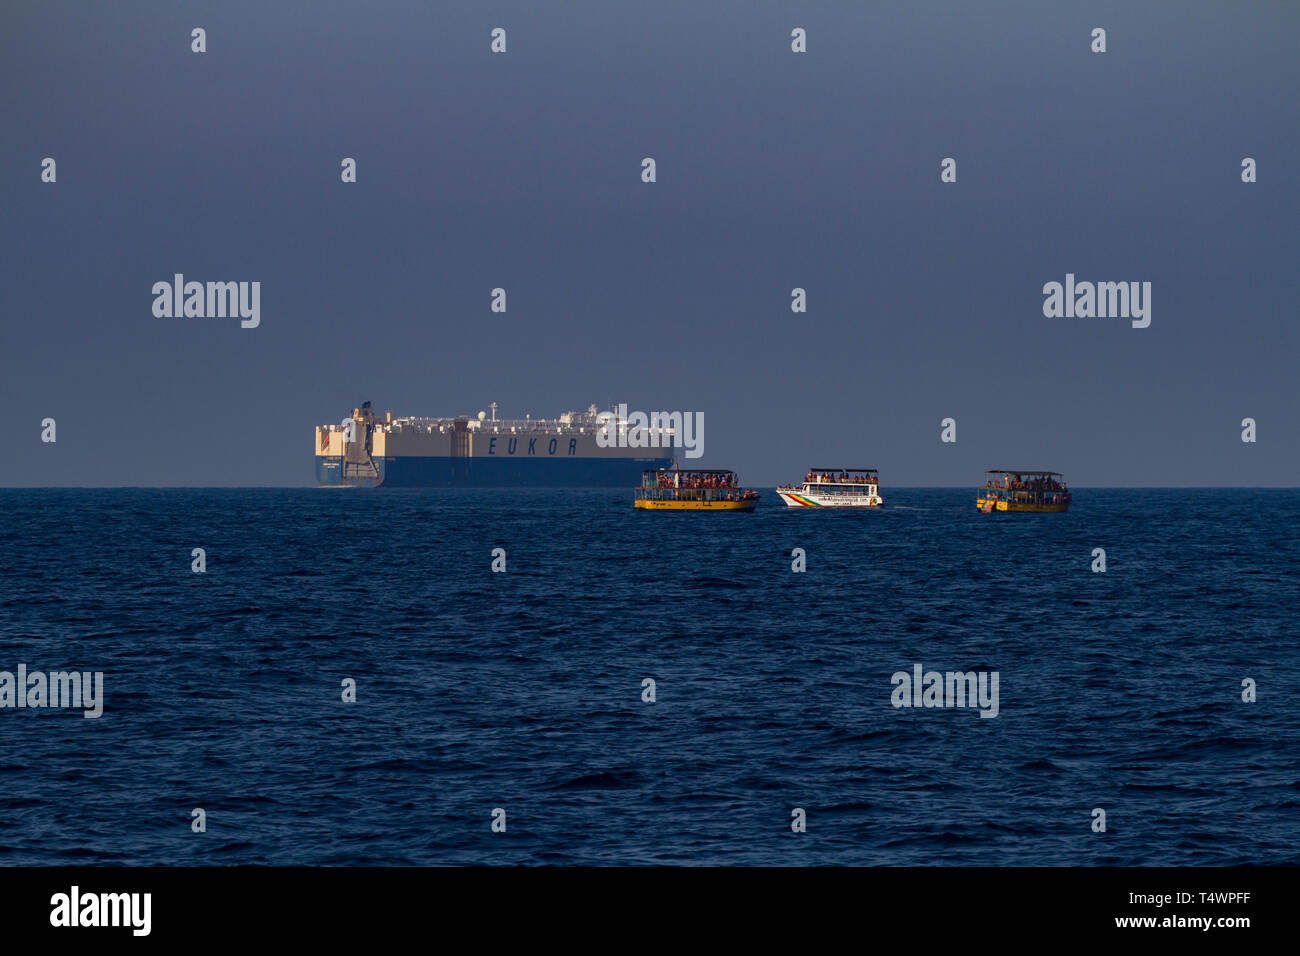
834,488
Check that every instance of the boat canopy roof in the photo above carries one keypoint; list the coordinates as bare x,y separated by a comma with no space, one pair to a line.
689,471
838,470
1023,471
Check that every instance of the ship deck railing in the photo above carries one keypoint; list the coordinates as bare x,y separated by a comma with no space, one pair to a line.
1034,495
1048,491
690,494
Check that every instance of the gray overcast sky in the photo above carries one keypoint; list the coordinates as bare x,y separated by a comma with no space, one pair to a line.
775,170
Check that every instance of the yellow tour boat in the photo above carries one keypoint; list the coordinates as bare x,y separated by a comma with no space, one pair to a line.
1011,490
693,489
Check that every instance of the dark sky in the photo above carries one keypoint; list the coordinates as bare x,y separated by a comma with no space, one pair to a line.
775,170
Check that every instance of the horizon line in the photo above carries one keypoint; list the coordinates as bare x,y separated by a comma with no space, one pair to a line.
310,487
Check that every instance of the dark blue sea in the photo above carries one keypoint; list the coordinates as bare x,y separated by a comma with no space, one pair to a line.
522,690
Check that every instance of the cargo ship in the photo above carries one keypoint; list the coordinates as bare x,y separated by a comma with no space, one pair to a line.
484,452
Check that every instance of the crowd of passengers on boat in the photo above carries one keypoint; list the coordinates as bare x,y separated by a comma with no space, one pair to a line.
814,477
1033,484
685,479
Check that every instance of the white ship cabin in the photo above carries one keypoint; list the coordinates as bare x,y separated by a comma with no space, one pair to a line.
841,481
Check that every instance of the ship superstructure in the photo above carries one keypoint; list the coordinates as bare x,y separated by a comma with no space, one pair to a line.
488,452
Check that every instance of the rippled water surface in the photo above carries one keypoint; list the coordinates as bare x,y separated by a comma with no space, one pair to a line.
523,690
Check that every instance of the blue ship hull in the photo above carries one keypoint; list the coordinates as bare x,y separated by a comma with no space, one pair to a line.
448,472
